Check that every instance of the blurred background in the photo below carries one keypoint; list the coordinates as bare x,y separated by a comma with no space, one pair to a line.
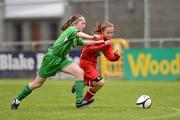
151,27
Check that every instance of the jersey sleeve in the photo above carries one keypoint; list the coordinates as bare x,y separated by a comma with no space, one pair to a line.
80,41
73,35
109,54
72,32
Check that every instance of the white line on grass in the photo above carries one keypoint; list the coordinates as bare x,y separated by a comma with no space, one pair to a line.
174,114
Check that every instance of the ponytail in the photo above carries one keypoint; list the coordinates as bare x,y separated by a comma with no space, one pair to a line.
99,27
66,25
73,20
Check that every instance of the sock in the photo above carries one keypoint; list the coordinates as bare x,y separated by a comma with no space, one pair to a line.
79,86
25,92
89,94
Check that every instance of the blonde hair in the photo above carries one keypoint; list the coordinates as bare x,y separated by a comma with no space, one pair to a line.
101,26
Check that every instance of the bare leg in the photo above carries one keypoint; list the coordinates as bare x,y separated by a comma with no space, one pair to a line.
26,91
96,86
75,70
38,82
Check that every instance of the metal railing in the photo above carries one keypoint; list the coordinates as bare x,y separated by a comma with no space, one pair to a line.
155,43
44,44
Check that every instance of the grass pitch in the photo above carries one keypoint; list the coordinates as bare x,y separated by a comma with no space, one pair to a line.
115,101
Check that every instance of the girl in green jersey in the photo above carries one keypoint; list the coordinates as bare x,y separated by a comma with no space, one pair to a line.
56,60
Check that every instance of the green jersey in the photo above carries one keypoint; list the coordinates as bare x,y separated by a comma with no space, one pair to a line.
65,42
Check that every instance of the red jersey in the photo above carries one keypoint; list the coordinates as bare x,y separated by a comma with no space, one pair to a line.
91,52
88,59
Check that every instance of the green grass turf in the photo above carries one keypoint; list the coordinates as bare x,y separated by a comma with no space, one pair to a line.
115,101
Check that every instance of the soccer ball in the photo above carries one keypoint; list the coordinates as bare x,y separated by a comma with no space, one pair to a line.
144,101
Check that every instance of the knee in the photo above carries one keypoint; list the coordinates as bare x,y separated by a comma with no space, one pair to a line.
98,84
101,83
79,74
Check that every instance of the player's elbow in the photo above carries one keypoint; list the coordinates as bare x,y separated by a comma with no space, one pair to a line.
111,59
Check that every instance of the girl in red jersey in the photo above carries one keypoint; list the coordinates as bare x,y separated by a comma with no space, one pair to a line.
89,55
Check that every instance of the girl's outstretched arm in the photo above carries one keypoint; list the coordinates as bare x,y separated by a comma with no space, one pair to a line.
92,42
86,36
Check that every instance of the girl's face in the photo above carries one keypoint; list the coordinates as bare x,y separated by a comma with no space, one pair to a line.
108,32
81,25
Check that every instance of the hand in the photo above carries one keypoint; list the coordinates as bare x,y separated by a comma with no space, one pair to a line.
100,41
117,52
108,42
96,37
